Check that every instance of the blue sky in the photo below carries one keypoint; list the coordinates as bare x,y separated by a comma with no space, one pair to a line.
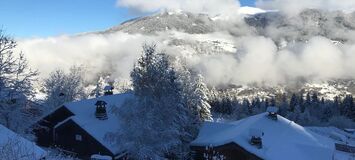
42,18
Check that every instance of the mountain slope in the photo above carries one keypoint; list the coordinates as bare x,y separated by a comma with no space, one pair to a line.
165,21
309,23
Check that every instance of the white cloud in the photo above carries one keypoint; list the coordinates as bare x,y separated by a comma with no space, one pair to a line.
212,7
98,52
295,6
257,60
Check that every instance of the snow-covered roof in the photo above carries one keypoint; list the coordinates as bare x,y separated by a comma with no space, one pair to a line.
255,132
23,147
100,157
250,10
84,116
282,139
272,109
107,88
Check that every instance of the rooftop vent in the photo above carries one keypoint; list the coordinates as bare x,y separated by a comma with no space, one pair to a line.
256,135
108,90
272,112
101,113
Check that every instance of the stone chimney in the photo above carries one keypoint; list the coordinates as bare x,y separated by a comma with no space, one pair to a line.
101,113
272,112
255,138
108,90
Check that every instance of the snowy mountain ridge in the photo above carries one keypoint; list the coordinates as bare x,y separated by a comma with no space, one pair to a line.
200,27
200,37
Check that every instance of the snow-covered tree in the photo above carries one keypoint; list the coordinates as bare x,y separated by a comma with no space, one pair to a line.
62,87
301,103
257,106
348,107
16,149
293,103
341,122
315,98
283,107
326,111
157,123
197,98
308,101
16,85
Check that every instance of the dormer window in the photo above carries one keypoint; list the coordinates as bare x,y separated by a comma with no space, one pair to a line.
272,112
78,137
255,138
108,90
101,110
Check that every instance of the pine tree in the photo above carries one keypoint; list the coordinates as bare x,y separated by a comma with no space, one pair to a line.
247,106
322,101
273,102
98,90
326,112
336,106
157,123
308,99
315,99
293,103
200,99
256,106
195,93
267,104
283,105
348,106
301,103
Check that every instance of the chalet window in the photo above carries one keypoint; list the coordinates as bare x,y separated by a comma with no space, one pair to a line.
78,137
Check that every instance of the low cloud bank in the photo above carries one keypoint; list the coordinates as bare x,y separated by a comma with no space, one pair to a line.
237,54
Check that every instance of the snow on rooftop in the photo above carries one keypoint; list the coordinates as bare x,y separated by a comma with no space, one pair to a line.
255,132
84,116
336,134
107,88
282,139
100,157
23,146
250,10
272,109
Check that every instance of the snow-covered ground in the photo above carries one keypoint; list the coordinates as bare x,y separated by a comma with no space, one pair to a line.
337,136
15,146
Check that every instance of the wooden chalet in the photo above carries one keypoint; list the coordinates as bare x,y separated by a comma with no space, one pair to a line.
229,151
259,137
82,128
344,151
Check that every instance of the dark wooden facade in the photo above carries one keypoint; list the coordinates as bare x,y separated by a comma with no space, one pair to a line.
345,148
64,135
43,130
230,151
67,138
